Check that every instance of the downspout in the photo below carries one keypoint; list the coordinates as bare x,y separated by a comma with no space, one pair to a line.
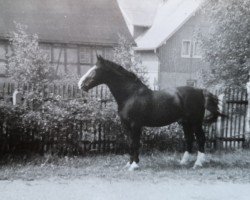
159,67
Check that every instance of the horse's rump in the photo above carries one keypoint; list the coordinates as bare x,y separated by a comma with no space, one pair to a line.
212,107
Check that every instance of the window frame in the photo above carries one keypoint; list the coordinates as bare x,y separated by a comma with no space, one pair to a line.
189,49
196,55
5,52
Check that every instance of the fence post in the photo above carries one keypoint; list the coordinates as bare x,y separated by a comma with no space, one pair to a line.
220,124
17,97
247,127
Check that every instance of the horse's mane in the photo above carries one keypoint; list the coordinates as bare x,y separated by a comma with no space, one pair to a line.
118,69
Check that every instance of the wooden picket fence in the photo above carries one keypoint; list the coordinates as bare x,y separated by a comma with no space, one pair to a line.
231,133
227,133
67,92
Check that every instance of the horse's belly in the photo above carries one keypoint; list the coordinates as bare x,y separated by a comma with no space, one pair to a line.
162,120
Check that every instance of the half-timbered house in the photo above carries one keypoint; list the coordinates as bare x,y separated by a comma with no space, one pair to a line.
71,32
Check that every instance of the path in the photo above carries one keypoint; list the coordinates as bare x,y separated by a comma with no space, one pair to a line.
88,188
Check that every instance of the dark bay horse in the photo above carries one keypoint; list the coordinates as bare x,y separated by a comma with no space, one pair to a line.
139,106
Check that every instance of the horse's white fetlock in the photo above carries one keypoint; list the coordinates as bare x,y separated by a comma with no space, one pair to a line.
201,159
186,158
133,166
127,165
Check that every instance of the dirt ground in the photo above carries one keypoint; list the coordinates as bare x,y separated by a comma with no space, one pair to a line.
224,176
100,189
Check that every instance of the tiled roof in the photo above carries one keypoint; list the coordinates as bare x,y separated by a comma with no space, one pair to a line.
66,21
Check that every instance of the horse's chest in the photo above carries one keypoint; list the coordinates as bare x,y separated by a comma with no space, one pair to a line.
133,110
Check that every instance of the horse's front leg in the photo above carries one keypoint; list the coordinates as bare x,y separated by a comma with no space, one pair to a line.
134,135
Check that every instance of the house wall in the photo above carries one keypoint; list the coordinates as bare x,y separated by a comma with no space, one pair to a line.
151,62
176,70
65,58
76,59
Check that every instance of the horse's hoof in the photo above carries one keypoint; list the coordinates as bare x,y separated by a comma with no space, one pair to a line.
133,166
201,159
197,166
185,159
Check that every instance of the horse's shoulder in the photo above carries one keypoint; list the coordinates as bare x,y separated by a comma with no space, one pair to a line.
170,92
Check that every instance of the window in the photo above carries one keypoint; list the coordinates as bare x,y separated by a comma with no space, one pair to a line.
72,55
2,52
186,49
9,51
196,50
85,55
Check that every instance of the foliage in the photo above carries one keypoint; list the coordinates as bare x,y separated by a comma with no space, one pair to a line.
174,131
227,46
68,79
28,63
46,117
56,121
59,122
125,56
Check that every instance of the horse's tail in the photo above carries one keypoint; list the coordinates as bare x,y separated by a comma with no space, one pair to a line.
212,111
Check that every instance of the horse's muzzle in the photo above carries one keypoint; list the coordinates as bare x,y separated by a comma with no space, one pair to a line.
85,89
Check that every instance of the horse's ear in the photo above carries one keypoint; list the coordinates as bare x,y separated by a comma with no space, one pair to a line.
99,57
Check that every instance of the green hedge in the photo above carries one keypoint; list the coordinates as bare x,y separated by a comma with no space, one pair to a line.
72,126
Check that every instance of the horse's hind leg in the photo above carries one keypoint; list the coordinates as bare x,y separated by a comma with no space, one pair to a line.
201,139
189,139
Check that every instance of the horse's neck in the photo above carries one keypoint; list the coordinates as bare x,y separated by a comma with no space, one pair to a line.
124,89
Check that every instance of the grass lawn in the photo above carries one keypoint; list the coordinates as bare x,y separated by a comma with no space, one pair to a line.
156,166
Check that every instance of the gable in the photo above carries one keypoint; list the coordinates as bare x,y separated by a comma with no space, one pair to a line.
170,17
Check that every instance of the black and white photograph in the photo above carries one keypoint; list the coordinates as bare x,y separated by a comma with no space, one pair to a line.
124,99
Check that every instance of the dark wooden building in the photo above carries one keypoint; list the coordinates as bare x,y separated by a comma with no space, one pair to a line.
71,31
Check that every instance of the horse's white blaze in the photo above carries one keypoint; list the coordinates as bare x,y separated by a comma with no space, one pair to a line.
133,166
201,159
85,76
186,158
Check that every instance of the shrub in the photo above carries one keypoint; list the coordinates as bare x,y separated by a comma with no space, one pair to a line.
62,126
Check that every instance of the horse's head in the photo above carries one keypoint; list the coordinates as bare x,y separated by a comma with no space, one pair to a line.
106,72
95,76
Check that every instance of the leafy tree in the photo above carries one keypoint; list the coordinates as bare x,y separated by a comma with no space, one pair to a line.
227,46
125,56
28,63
